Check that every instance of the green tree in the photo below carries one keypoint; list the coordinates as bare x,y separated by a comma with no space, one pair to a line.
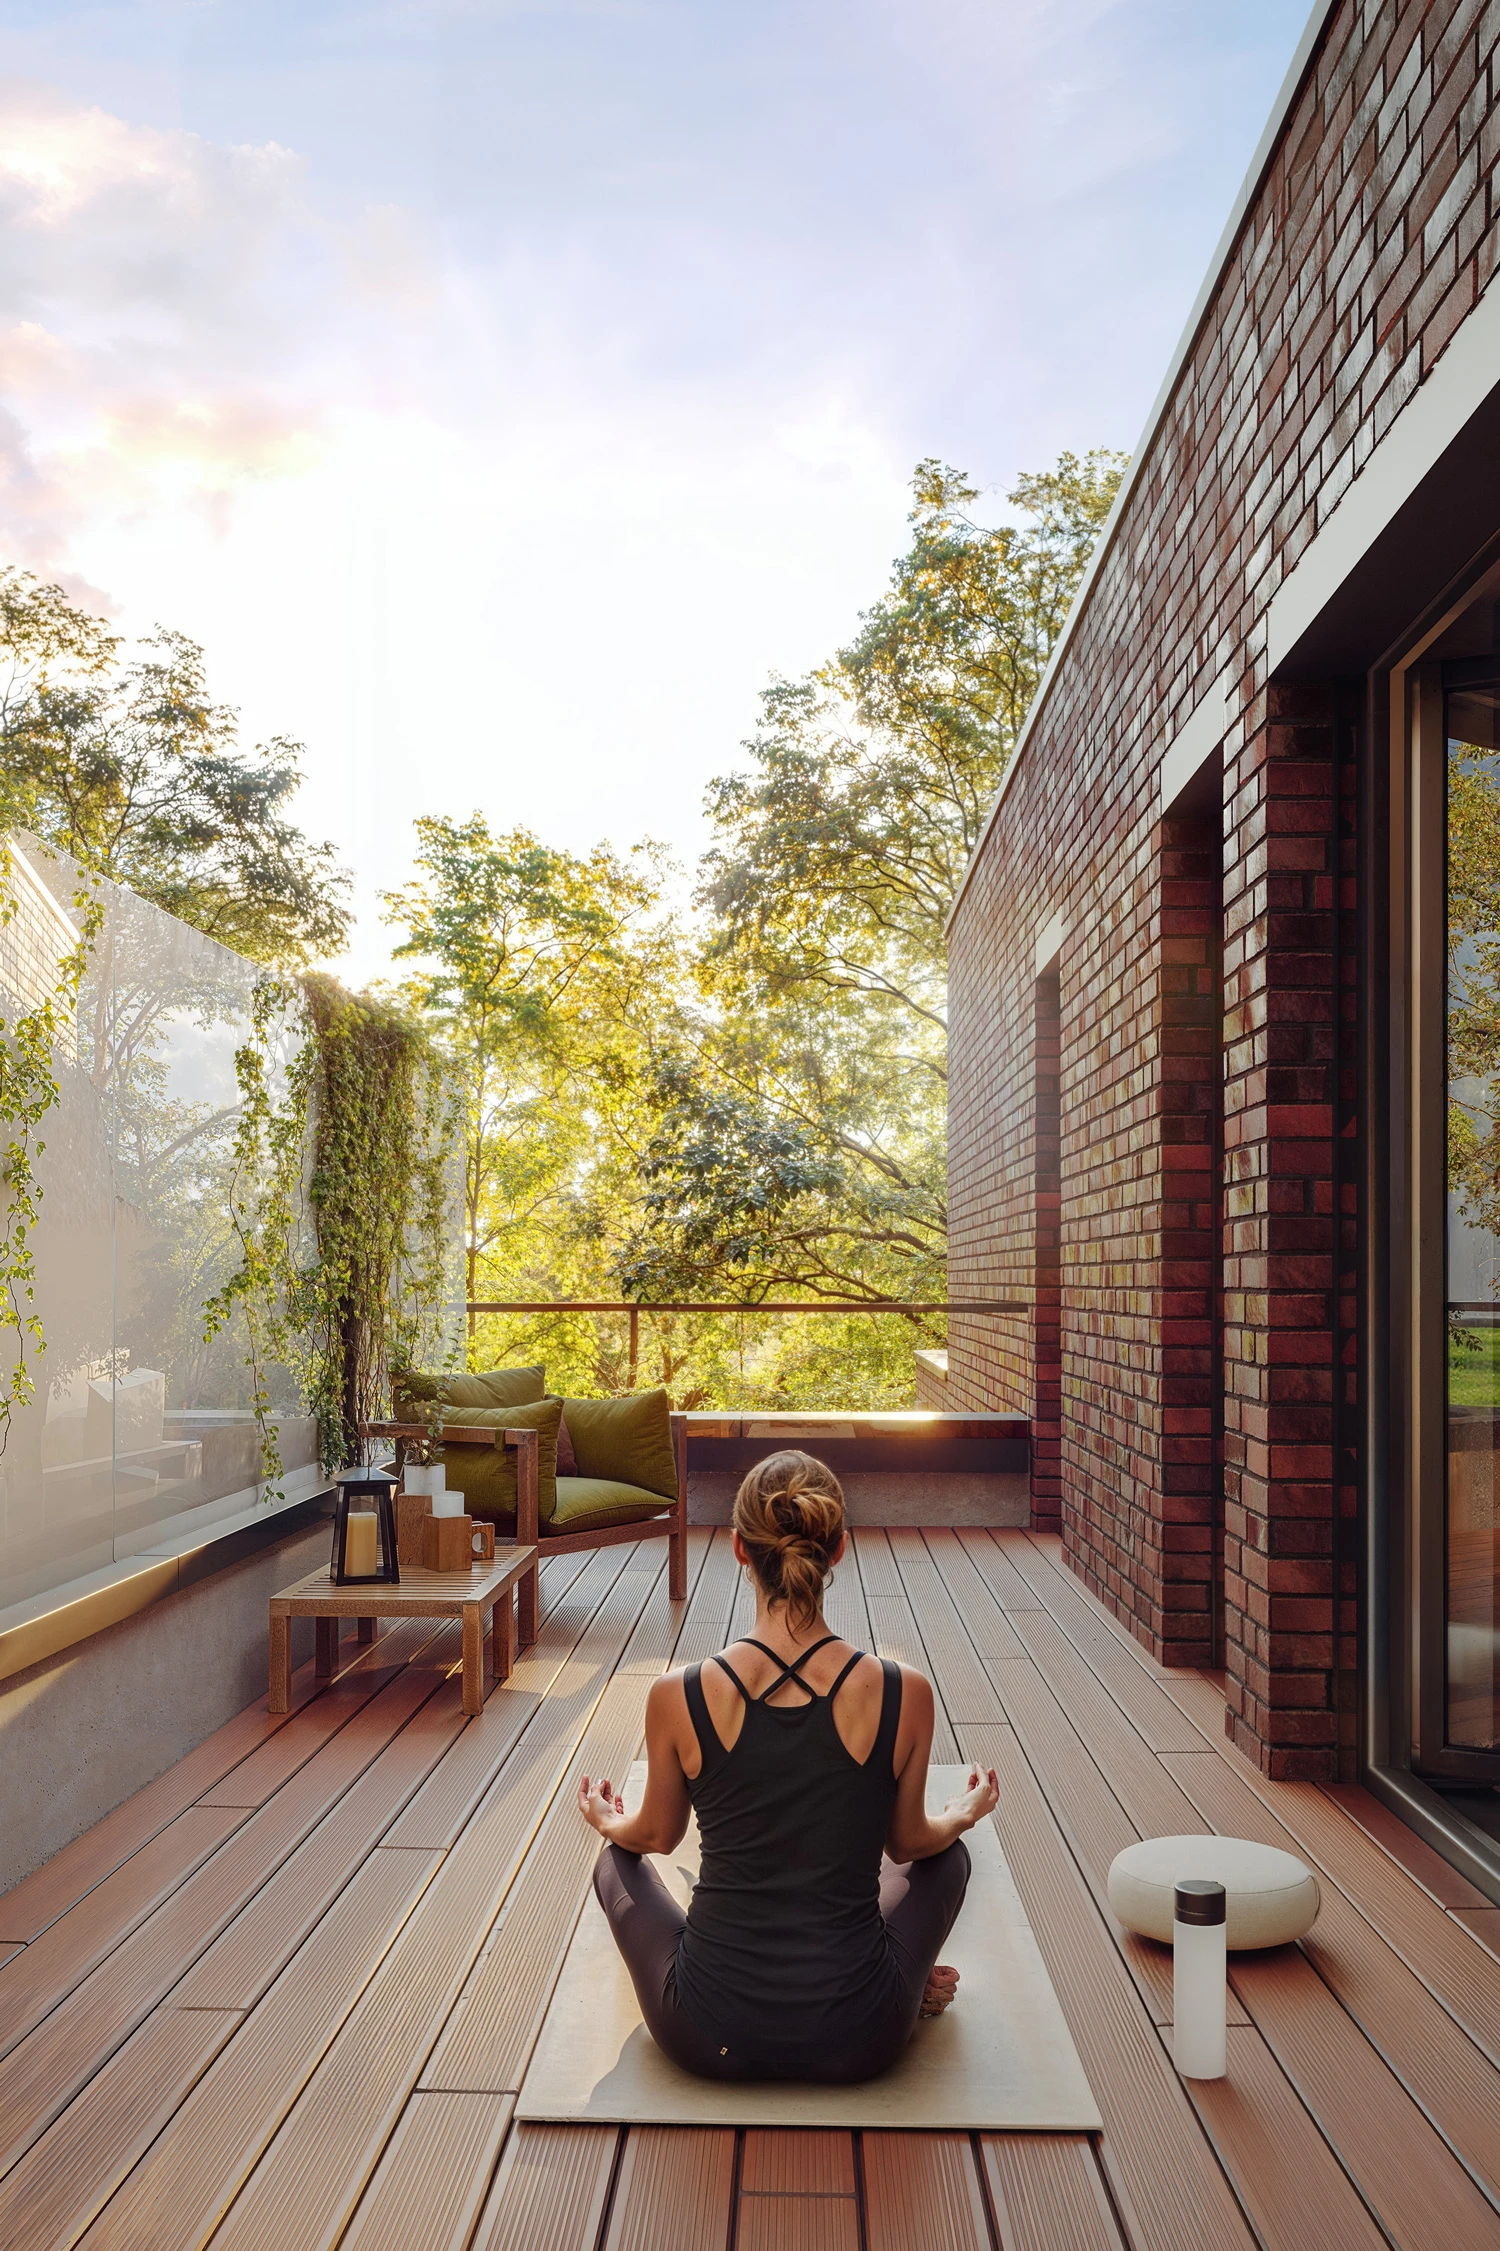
542,973
803,1145
133,770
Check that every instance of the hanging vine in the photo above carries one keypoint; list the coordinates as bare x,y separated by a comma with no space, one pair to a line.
340,1205
28,1090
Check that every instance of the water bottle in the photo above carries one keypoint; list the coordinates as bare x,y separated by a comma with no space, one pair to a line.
1198,1979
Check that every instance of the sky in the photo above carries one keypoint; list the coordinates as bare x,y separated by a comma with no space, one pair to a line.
502,393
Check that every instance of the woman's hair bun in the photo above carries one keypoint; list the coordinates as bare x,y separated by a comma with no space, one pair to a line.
789,1512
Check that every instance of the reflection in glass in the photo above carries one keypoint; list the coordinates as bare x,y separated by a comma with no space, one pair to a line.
1472,1560
140,1432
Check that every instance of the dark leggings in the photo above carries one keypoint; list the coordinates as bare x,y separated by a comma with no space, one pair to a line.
919,1902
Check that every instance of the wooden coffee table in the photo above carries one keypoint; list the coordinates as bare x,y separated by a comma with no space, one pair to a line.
469,1595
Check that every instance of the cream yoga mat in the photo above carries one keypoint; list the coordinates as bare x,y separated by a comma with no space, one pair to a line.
1001,2057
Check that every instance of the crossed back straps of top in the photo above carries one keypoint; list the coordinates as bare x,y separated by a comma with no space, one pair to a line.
790,1672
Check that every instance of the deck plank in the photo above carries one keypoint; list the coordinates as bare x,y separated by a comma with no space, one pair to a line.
76,1942
1404,1846
49,2198
846,1610
198,2163
922,2193
43,2072
787,2162
1428,2052
705,1629
893,1626
675,2187
551,2190
1198,1696
1146,1789
1048,2194
1408,2175
797,2192
256,1780
496,2018
1160,2164
1482,1924
431,2183
33,1982
76,1870
1399,1912
797,2223
446,1802
992,1633
968,1692
316,2170
997,1571
1255,2119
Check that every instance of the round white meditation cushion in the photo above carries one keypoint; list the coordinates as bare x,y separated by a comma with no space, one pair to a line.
1272,1897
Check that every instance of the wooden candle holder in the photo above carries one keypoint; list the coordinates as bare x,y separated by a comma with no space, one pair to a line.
412,1512
447,1543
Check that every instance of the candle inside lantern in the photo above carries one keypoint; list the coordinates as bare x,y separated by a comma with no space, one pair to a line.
361,1545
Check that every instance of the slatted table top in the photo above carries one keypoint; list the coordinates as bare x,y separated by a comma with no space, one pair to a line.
286,1995
418,1593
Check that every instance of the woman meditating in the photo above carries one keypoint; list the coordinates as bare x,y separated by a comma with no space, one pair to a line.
805,1954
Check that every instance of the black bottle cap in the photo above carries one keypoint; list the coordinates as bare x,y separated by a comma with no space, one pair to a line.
1200,1900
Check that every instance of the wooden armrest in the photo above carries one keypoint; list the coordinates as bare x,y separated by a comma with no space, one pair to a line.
449,1434
528,1484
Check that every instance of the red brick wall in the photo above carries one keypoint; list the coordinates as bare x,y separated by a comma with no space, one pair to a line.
1373,233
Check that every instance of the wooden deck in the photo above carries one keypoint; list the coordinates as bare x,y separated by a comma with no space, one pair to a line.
284,1997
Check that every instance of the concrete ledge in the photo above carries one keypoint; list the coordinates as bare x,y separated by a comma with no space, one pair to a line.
889,1497
88,1726
47,1623
909,1468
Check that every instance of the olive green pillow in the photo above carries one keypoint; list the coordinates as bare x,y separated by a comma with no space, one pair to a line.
625,1441
588,1504
486,1475
499,1387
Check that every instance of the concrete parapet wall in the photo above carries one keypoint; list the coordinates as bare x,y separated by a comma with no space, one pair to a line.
85,1729
919,1468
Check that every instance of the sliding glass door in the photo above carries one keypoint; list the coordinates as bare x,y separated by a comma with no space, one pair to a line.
1471,883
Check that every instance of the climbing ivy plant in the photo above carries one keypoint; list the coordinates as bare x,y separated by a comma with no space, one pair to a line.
340,1204
28,1090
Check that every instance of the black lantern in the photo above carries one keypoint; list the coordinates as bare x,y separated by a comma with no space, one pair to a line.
364,1530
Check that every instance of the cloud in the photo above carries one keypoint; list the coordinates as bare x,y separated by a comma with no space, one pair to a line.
182,320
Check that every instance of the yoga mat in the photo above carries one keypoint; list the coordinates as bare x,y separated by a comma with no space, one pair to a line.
1001,2057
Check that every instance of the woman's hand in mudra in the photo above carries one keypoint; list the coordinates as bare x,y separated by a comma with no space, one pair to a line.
602,1807
981,1796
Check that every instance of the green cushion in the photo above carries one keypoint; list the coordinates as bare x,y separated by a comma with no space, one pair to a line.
486,1475
499,1387
626,1441
587,1504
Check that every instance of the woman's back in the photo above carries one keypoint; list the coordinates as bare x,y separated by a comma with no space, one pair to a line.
784,1936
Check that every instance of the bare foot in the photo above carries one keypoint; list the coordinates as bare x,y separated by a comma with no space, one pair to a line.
940,1990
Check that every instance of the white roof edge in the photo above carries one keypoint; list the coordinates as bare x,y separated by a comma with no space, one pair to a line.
1291,87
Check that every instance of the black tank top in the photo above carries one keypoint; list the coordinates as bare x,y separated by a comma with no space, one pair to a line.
785,1949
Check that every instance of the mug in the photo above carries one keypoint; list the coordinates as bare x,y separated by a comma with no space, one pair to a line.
482,1541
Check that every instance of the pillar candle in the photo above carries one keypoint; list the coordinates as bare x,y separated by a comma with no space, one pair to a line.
361,1545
